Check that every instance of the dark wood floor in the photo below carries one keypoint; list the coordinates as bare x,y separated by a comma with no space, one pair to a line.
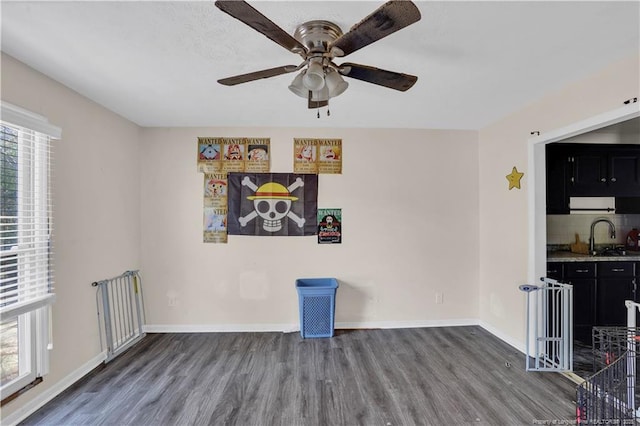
583,359
437,376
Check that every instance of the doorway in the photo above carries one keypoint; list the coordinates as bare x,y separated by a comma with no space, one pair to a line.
537,214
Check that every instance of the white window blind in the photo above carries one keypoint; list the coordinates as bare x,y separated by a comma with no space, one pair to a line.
26,277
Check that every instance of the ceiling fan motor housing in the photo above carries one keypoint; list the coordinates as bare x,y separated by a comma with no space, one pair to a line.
316,36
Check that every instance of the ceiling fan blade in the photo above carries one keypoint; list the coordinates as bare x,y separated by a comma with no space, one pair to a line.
390,79
316,104
257,75
387,19
244,12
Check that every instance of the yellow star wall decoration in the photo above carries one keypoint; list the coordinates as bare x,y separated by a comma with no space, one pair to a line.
514,178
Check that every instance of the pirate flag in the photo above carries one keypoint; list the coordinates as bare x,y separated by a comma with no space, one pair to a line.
283,204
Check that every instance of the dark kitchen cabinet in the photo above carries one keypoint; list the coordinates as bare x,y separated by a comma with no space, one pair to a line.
582,275
604,171
590,170
616,283
557,162
599,292
587,171
628,205
555,270
624,172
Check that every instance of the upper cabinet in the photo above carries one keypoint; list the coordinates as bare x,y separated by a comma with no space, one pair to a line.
587,171
624,172
590,170
603,170
557,166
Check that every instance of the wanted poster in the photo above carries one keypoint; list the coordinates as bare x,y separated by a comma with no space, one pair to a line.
317,156
329,226
330,156
215,189
209,155
305,156
233,154
258,155
215,208
215,225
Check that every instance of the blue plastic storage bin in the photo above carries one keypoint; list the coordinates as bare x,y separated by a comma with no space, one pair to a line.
317,299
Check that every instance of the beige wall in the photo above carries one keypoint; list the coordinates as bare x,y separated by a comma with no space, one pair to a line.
503,213
96,210
410,208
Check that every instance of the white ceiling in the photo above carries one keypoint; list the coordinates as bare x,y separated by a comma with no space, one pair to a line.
156,63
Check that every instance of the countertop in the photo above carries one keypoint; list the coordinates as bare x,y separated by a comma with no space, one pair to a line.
567,256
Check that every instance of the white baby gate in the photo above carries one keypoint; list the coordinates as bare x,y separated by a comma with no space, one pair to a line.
120,312
632,341
549,326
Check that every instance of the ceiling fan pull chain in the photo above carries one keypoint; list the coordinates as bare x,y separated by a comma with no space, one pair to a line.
328,111
318,112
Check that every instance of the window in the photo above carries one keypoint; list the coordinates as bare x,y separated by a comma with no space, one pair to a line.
26,290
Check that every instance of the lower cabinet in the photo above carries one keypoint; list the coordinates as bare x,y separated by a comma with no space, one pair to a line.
599,292
582,275
616,283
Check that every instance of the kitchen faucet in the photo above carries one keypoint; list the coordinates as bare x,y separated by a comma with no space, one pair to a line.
612,229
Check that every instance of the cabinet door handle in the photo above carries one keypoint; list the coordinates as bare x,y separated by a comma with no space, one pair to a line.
603,179
613,179
617,270
582,270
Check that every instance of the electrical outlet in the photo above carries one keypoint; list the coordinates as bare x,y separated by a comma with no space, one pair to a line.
439,298
173,302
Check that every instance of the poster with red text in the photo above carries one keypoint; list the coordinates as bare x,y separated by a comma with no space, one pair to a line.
329,226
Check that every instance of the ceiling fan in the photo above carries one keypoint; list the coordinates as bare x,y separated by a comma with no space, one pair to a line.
319,42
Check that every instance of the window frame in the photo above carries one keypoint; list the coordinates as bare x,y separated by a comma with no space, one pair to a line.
33,313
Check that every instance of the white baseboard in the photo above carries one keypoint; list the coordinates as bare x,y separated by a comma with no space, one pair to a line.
408,324
290,328
505,338
218,328
38,402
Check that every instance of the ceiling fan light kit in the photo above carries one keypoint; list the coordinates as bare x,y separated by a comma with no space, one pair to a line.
314,77
335,83
298,87
319,42
327,83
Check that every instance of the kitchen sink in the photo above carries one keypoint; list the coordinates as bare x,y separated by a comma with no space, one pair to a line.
611,252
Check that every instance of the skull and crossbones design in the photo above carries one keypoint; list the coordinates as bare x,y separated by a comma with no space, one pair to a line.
272,203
